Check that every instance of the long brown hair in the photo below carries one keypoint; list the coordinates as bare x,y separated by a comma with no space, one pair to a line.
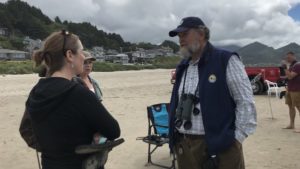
52,54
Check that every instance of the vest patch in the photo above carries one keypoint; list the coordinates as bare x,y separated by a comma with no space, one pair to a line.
212,78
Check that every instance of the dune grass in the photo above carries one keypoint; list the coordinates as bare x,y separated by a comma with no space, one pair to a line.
27,67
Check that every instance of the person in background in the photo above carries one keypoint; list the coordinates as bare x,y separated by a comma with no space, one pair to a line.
292,72
89,82
65,114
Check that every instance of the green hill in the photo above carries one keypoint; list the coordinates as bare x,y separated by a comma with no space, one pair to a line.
22,20
260,54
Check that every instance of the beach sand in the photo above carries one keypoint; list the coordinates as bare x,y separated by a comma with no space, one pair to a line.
126,96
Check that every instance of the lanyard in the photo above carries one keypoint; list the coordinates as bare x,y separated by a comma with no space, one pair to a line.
184,80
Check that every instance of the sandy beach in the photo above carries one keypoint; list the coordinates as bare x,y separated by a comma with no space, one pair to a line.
126,96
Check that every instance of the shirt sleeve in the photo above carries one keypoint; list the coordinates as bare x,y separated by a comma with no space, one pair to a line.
241,91
296,68
97,116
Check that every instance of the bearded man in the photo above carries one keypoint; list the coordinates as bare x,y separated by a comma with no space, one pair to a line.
212,108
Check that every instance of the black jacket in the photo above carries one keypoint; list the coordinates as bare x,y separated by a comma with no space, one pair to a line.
64,115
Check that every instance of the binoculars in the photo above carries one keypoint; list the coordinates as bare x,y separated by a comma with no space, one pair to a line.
184,110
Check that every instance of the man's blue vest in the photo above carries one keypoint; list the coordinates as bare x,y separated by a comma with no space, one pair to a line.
217,105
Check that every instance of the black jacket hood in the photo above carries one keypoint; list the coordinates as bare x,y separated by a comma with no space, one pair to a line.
47,95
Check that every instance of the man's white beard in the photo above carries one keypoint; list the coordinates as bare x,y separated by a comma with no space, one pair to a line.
188,51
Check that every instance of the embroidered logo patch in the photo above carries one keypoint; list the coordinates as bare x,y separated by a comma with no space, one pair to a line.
212,78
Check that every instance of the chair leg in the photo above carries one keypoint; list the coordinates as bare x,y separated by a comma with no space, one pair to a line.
155,164
149,153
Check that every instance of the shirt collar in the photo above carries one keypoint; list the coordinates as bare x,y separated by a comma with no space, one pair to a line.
191,63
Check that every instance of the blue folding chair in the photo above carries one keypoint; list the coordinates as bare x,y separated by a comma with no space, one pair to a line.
158,130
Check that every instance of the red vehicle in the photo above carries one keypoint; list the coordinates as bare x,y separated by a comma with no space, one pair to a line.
257,76
273,74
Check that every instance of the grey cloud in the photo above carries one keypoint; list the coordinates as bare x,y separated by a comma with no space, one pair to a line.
236,21
74,10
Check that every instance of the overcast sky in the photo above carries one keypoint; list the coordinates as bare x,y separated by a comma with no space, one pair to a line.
240,22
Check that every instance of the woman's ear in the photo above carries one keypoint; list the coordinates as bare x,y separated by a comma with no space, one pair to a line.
69,56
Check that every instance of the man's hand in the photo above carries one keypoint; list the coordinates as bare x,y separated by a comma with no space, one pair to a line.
290,74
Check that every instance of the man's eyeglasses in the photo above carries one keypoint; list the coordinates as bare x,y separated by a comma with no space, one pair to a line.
65,33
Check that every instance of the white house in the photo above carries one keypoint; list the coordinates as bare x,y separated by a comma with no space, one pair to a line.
4,32
32,44
152,53
98,53
139,53
7,54
167,51
118,58
121,58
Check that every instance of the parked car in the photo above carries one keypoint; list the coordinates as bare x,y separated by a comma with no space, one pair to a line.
257,77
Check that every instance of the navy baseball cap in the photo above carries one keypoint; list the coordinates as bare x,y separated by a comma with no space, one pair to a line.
186,24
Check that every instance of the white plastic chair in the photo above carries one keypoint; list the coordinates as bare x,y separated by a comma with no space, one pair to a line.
272,88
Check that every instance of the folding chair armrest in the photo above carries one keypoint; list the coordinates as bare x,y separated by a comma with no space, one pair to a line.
156,125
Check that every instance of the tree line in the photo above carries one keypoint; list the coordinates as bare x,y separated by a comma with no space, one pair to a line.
22,20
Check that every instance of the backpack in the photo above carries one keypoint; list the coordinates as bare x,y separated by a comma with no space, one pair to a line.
27,132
